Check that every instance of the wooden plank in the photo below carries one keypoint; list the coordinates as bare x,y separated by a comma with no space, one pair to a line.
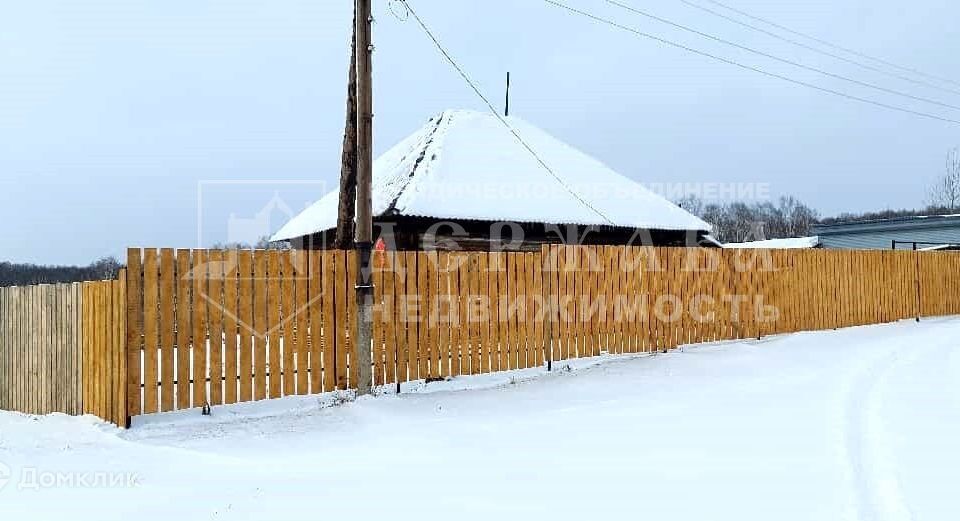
563,302
167,325
428,356
330,330
351,325
6,338
441,316
103,347
412,313
455,322
260,325
245,329
525,322
66,389
302,319
420,348
402,327
593,291
99,351
275,367
114,295
342,283
390,318
198,303
507,332
437,315
184,328
151,334
318,301
378,259
530,275
287,321
473,312
230,333
537,307
463,311
58,322
134,328
483,272
215,323
120,375
494,266
109,343
414,289
90,402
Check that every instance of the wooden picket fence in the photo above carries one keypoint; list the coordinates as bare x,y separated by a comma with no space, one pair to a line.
185,328
61,349
222,327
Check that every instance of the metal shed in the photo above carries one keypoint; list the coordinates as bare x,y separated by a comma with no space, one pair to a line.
884,234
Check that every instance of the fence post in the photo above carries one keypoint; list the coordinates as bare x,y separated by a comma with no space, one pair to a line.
919,284
546,285
120,378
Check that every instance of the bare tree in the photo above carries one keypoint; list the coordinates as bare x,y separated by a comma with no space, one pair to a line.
738,221
946,192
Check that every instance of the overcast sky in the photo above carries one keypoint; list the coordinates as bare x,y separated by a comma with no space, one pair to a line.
128,122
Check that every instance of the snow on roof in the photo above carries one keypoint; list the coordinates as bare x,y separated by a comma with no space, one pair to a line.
467,165
779,244
938,247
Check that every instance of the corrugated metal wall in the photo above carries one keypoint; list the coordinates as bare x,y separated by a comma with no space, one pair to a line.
880,239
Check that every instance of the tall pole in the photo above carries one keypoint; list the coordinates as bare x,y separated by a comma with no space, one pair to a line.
364,242
347,206
507,110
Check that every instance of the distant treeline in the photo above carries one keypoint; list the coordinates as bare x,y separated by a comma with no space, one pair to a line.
30,274
741,222
890,214
785,218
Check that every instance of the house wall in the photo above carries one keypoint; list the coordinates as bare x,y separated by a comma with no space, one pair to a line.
880,236
411,234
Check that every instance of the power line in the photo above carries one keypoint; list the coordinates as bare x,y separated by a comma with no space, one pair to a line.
832,45
496,112
758,70
779,59
821,51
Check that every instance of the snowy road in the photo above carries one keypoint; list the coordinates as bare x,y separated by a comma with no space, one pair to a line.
858,424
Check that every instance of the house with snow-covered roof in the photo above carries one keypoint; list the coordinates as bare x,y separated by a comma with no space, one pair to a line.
465,181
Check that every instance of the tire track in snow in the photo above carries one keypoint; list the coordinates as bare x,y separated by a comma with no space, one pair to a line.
871,471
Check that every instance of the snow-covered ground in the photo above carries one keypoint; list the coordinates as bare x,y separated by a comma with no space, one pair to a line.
858,424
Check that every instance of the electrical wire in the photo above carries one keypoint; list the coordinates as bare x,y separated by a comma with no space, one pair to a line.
833,45
779,59
821,51
446,54
758,70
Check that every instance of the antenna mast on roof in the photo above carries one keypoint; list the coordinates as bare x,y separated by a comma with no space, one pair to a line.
507,111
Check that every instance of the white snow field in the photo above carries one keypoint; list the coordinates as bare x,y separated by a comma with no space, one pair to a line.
857,424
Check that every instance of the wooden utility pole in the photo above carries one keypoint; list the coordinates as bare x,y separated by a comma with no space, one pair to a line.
347,210
364,242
